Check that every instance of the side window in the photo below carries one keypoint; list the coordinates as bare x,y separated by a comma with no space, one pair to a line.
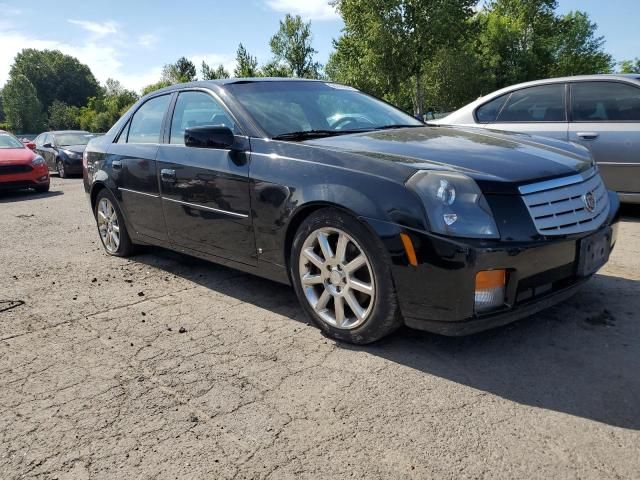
196,109
123,135
605,102
488,112
48,138
146,124
39,141
545,103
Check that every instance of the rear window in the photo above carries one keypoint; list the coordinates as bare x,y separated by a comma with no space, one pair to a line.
488,112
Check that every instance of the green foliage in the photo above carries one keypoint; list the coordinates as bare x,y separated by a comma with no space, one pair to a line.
630,66
103,111
63,116
180,72
55,76
2,115
292,49
386,43
209,73
155,86
275,69
22,108
246,65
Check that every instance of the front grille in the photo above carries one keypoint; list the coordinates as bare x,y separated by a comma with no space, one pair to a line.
562,207
9,169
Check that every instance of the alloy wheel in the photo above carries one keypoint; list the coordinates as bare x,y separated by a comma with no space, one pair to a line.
108,225
337,278
60,168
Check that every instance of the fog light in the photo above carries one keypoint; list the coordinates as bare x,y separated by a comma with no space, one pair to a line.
490,289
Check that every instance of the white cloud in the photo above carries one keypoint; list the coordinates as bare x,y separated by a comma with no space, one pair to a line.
147,40
98,29
307,9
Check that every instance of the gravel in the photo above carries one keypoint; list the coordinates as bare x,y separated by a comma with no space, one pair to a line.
225,378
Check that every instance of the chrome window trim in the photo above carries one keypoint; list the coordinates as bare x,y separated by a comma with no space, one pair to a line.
210,209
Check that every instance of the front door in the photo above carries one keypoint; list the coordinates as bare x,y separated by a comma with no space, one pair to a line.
606,119
205,191
132,160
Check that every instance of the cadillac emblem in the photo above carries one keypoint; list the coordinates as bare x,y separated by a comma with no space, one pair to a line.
589,200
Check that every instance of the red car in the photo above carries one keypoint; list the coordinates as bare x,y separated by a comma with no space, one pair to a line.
20,167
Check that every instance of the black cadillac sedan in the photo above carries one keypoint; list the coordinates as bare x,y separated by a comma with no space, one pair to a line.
375,219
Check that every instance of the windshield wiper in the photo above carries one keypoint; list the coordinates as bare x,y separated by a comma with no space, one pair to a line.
389,127
306,134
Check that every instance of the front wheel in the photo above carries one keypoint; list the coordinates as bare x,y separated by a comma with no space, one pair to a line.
113,232
342,277
62,173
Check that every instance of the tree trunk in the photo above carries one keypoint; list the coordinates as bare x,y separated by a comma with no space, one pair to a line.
418,108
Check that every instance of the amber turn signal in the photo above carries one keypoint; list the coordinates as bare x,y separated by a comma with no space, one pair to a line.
409,250
490,279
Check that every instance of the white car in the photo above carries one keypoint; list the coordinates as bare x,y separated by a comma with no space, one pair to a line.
601,112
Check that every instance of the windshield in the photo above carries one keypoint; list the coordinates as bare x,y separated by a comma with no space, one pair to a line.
9,141
78,138
286,107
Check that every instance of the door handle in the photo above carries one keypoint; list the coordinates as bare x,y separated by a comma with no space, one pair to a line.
168,175
116,164
588,135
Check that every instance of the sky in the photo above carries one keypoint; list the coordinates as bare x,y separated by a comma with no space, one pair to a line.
130,40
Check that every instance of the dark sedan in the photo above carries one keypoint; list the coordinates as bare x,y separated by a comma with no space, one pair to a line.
374,218
62,150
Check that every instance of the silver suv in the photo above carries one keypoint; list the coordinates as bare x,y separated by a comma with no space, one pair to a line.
601,112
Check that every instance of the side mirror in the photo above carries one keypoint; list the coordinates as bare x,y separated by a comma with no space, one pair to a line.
209,136
47,145
31,145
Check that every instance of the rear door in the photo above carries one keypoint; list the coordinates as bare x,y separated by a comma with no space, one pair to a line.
205,191
132,159
605,117
539,110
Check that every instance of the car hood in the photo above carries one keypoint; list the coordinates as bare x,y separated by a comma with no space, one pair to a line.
491,157
74,148
15,156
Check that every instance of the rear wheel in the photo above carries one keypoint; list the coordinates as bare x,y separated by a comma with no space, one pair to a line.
342,277
111,228
60,168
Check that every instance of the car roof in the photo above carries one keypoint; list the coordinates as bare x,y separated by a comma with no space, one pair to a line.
230,81
575,78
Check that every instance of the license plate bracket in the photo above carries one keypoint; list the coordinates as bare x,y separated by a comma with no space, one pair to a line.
594,252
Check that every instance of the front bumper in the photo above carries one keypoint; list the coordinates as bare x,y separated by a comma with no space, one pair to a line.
35,177
438,294
73,166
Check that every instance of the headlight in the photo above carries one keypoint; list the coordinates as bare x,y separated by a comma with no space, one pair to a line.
72,154
37,161
455,205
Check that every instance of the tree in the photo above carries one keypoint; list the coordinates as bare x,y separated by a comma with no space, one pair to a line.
578,50
155,86
209,73
275,69
22,108
385,43
55,76
63,116
291,46
246,65
180,72
630,66
103,111
2,115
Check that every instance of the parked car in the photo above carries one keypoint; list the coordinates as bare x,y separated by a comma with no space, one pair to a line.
20,167
62,150
28,143
443,229
601,112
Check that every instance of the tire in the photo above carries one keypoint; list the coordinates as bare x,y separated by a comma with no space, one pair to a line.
42,188
110,223
62,173
367,289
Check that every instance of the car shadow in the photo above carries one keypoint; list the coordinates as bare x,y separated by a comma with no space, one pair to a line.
630,212
23,195
581,357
